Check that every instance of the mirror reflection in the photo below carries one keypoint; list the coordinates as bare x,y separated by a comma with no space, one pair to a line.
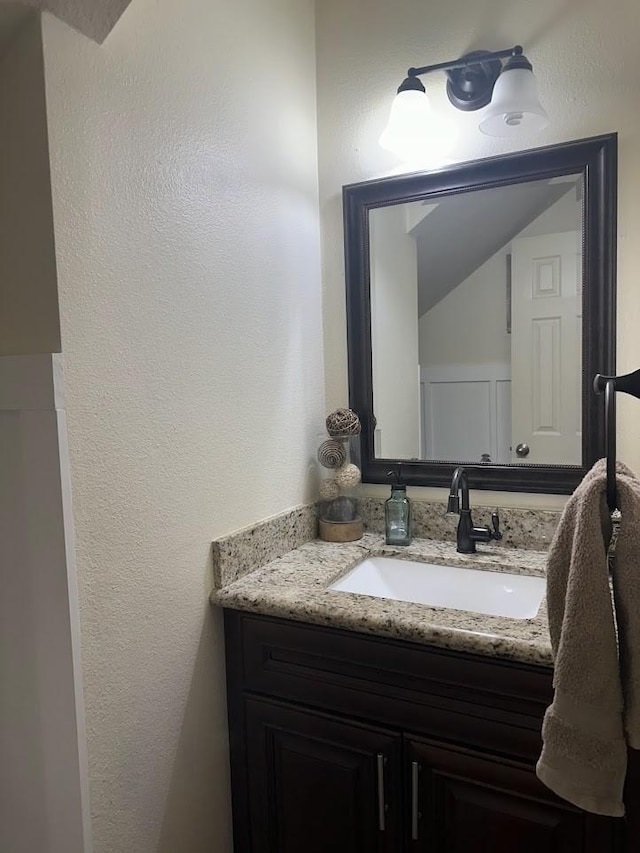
476,304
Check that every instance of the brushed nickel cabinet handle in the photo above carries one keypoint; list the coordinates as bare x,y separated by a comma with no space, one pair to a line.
381,798
415,814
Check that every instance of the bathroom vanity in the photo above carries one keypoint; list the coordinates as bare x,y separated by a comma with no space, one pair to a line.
362,724
345,742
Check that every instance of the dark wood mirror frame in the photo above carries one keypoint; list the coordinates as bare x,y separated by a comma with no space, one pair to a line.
596,160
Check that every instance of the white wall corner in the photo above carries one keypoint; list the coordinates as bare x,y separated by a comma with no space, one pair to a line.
31,382
44,791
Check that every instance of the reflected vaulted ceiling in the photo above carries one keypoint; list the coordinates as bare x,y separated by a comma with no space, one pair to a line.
457,236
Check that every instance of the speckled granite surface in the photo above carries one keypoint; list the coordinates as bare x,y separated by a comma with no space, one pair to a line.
294,586
244,550
521,528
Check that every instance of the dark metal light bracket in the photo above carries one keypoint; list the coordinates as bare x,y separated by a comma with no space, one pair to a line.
470,87
471,78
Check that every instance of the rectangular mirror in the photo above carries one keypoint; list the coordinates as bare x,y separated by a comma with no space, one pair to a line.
480,305
476,318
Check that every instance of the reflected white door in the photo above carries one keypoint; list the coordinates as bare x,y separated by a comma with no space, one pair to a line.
546,346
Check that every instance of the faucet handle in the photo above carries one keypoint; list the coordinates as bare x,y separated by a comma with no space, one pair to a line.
495,521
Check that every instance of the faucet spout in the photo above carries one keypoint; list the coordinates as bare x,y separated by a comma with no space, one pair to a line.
467,534
459,483
453,504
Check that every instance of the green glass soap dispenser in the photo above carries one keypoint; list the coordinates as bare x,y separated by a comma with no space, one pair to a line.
397,513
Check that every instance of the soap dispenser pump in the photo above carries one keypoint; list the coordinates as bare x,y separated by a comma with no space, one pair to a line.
397,512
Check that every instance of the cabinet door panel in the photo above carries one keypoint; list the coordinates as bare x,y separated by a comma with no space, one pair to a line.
472,803
317,784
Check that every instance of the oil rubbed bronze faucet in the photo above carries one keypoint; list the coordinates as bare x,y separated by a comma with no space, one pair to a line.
467,535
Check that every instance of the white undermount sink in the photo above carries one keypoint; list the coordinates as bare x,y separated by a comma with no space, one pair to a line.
453,587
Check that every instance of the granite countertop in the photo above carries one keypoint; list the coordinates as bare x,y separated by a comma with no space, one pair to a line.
294,586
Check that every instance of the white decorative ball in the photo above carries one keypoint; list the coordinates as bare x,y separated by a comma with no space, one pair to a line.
329,490
348,476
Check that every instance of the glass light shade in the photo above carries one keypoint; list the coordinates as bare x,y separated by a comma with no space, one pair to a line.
414,133
515,107
409,120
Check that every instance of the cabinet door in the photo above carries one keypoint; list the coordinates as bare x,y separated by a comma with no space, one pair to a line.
466,802
320,785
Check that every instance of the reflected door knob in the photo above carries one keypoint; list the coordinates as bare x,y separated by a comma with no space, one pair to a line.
522,450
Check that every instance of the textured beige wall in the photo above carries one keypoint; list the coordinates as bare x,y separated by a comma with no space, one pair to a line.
185,200
28,292
468,326
586,59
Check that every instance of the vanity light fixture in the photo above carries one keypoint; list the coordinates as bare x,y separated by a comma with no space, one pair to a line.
476,80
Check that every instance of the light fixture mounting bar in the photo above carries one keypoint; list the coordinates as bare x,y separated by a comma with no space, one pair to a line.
466,61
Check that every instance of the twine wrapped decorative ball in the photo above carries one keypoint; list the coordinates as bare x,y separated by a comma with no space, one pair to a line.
329,490
348,476
343,422
331,454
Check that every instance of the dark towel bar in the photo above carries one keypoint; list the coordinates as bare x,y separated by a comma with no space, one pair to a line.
628,384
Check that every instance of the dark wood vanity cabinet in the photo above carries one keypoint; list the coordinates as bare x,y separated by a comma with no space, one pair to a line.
350,743
318,784
467,802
